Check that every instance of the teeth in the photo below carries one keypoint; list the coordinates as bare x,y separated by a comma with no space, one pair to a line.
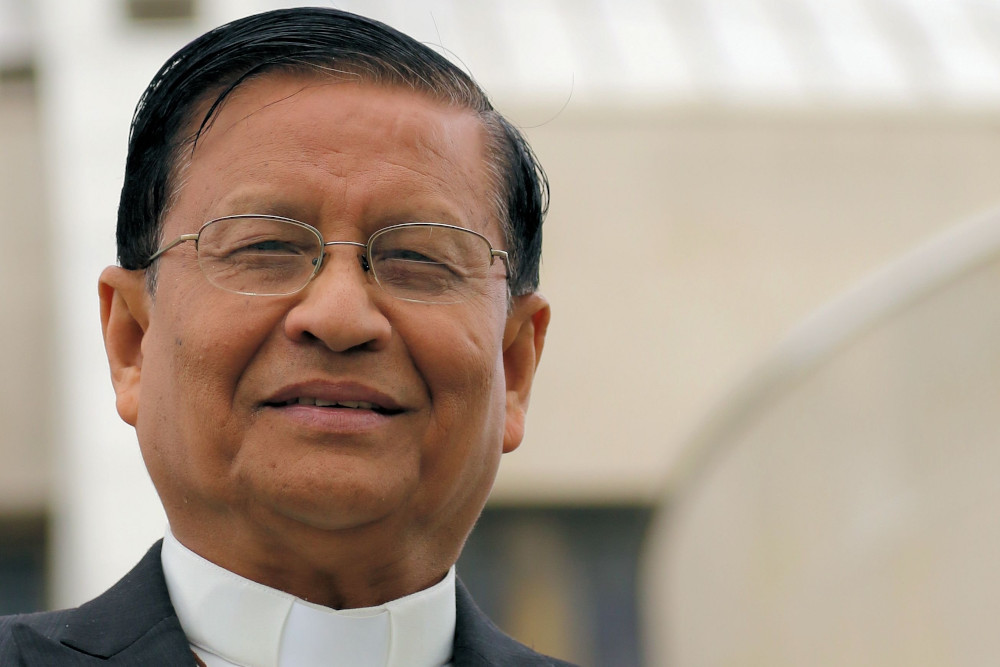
319,402
359,405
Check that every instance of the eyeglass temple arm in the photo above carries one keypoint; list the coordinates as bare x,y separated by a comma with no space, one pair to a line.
177,241
502,254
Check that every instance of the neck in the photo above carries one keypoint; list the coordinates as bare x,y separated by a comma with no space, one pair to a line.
229,619
341,569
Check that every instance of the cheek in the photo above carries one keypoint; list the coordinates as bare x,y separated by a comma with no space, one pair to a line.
197,348
461,364
461,360
191,351
461,451
215,333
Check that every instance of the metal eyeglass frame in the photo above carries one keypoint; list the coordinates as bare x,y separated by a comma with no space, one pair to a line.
318,261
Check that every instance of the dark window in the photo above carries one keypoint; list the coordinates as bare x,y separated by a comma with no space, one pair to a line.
160,10
22,564
561,579
17,73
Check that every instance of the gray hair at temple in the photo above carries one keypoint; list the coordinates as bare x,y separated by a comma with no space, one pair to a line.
165,129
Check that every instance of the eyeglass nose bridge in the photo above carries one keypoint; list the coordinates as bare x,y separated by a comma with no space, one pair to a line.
363,257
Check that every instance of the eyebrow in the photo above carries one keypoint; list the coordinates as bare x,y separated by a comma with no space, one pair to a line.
263,204
268,201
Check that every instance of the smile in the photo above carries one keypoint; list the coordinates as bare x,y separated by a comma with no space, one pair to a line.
323,403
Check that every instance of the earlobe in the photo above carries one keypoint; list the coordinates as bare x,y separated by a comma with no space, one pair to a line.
524,338
125,305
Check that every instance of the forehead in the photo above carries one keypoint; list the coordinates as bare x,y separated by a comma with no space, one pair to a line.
315,147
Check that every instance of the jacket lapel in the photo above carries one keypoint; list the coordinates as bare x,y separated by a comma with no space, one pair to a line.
133,623
158,647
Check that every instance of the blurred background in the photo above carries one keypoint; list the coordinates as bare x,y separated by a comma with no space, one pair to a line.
764,429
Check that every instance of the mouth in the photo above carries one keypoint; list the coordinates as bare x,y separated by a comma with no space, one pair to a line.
334,405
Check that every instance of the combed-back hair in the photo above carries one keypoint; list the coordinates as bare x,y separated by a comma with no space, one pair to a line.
204,73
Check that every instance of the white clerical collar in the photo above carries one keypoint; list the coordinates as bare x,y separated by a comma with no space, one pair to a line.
230,620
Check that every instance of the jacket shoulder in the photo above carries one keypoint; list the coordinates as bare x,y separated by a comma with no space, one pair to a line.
133,623
480,643
45,623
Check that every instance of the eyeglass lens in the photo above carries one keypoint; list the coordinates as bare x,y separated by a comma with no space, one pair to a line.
416,262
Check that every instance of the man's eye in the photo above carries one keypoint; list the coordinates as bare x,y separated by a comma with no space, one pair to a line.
268,246
409,264
408,255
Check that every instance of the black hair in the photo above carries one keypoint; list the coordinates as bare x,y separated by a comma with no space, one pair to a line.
312,39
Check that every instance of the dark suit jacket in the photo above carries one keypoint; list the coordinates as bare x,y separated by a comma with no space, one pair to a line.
133,624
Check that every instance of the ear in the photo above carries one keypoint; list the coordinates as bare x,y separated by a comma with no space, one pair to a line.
523,340
125,305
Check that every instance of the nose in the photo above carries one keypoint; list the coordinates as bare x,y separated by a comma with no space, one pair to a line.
341,306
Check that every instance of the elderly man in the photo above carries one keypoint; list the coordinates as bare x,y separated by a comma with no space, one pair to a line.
324,329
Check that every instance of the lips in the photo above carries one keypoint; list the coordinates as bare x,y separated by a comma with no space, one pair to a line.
333,396
323,403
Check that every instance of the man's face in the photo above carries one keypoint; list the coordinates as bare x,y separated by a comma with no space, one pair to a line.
212,388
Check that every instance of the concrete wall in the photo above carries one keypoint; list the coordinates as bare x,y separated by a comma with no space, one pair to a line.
682,245
26,338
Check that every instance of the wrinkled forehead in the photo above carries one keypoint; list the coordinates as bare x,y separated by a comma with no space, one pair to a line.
301,116
214,97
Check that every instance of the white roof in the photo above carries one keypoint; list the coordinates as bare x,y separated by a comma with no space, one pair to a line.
823,53
742,52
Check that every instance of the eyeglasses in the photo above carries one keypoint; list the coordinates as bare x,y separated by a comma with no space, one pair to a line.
267,255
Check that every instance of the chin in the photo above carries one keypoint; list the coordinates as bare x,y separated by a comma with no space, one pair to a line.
344,507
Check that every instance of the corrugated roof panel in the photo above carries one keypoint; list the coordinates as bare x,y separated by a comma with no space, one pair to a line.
862,67
537,44
815,53
964,68
753,59
648,55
